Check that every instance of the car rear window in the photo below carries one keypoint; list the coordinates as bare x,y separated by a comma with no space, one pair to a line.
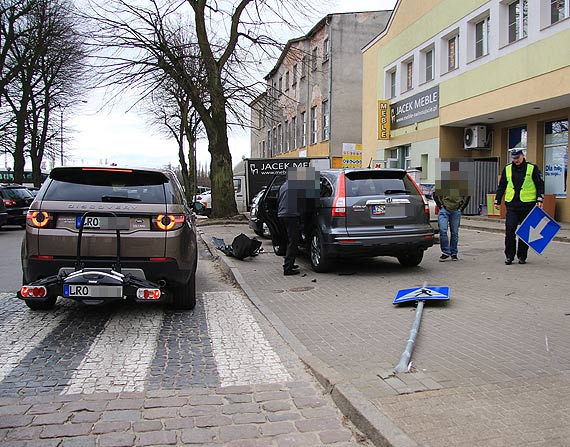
81,185
372,183
16,193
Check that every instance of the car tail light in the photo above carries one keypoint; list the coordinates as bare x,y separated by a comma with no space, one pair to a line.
339,203
426,203
148,294
167,222
38,219
9,202
33,291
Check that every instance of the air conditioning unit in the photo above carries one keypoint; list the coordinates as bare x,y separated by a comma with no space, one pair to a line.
475,137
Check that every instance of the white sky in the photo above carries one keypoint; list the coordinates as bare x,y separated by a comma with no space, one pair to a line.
117,136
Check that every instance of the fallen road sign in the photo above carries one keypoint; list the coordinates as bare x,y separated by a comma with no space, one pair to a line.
422,293
538,229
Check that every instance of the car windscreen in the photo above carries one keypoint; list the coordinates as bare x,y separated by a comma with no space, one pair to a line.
81,185
368,183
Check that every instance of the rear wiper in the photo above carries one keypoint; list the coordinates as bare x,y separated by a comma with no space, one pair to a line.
396,191
119,199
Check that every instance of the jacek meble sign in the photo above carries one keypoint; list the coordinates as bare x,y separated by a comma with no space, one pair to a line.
417,108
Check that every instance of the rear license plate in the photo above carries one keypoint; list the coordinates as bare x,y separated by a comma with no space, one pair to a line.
90,222
378,209
92,291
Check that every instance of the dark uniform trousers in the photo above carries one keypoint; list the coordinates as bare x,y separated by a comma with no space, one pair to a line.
292,226
516,213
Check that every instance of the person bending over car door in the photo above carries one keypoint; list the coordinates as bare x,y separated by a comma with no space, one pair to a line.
302,185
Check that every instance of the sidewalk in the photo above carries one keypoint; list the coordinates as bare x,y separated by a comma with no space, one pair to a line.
476,384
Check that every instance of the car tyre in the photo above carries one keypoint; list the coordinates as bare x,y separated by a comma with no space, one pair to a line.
411,259
279,247
46,304
320,263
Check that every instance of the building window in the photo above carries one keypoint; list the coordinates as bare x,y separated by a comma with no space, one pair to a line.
399,157
280,138
556,157
393,84
410,75
274,89
452,53
517,137
294,81
280,85
269,142
429,65
558,10
326,50
314,133
303,67
287,81
518,20
326,120
263,154
314,58
303,129
286,137
482,38
274,141
294,132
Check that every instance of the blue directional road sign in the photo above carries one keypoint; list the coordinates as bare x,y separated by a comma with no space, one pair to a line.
538,229
422,294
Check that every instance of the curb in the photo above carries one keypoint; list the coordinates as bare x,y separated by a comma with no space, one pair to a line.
351,402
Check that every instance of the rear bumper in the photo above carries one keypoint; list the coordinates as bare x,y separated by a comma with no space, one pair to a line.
391,244
154,271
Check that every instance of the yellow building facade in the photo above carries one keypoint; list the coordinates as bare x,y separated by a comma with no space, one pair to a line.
471,79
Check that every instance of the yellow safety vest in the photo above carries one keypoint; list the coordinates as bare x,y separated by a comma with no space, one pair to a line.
528,190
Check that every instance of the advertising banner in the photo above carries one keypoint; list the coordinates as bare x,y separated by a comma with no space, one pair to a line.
418,108
383,120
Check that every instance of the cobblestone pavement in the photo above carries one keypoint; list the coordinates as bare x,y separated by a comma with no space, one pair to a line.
143,375
491,367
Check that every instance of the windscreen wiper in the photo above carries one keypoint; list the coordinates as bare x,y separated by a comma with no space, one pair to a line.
119,199
396,191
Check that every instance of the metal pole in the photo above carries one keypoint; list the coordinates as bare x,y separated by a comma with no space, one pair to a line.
404,362
61,137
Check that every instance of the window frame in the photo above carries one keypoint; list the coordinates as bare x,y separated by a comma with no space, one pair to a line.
314,125
485,23
520,24
326,121
314,58
303,128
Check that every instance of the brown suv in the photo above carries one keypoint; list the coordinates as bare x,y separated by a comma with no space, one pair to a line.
96,234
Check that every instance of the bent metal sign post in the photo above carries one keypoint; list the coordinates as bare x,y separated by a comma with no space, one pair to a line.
417,108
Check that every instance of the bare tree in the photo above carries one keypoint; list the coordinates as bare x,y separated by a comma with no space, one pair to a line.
230,38
49,59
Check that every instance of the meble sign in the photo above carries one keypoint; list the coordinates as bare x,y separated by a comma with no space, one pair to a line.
420,107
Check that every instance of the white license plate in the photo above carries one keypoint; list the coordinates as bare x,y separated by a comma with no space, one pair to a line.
90,222
378,209
92,291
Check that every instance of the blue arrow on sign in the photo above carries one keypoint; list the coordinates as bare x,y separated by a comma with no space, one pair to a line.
538,229
421,294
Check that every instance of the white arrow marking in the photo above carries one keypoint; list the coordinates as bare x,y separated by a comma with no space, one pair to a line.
535,233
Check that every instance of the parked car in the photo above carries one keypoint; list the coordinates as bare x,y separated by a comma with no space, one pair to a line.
360,213
17,200
34,190
204,203
3,214
255,222
76,223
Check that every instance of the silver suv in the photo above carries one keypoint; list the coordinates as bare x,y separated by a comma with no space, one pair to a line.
96,234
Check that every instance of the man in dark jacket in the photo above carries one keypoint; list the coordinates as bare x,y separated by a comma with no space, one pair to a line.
300,187
522,186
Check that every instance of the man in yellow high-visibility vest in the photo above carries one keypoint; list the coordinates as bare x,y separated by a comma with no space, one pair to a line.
523,187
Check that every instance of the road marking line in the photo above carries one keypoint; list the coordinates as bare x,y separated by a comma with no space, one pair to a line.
23,332
119,358
242,353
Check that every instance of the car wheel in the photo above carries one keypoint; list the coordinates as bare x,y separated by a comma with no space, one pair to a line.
319,262
411,259
279,248
46,304
184,297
